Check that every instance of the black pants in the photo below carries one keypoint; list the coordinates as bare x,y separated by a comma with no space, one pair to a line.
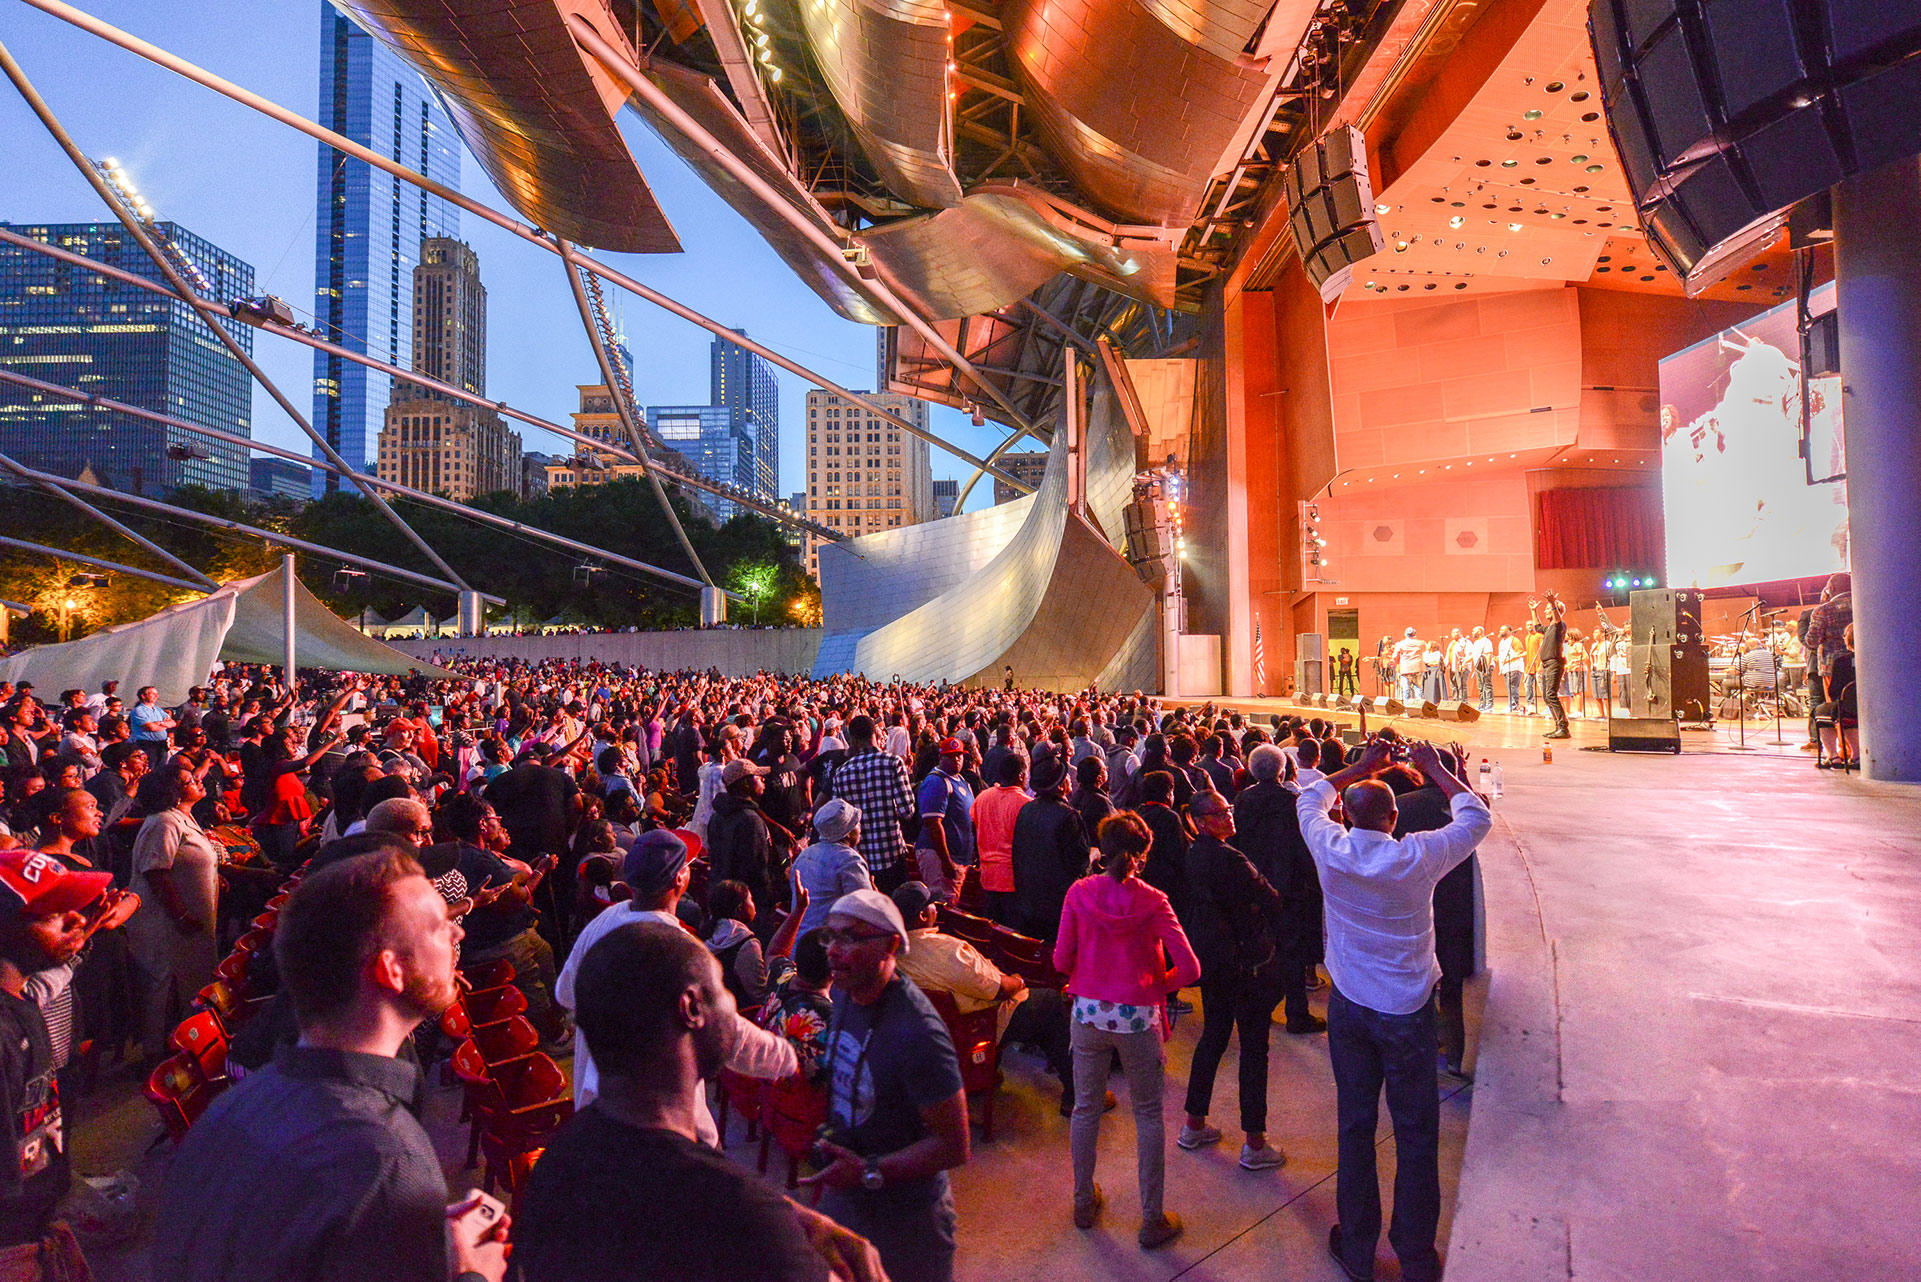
1551,670
1231,1000
1344,683
1817,695
1371,1050
1042,1022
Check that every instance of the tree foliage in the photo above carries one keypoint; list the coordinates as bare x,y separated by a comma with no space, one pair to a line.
536,578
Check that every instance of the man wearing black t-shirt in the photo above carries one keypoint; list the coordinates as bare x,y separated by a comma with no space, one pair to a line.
42,925
1553,632
624,1190
896,1113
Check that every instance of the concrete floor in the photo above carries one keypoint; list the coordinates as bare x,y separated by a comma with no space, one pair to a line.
1696,1057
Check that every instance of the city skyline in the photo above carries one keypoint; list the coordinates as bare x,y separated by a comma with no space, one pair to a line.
541,353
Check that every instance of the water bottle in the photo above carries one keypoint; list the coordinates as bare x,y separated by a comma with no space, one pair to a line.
1487,779
1499,790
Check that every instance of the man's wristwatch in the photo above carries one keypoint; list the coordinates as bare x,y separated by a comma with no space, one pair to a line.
871,1179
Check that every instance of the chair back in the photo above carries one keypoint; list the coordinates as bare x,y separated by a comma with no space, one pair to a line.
201,1037
233,968
493,974
490,1005
976,1041
180,1094
454,1021
978,931
793,1110
505,1040
254,941
1032,959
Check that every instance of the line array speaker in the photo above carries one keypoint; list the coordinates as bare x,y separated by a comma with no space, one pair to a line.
1330,209
1726,112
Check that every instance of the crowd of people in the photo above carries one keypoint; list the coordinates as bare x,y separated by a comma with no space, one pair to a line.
694,877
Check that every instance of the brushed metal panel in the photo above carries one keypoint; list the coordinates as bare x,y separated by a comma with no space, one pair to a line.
1135,113
535,111
998,245
885,62
1222,27
702,99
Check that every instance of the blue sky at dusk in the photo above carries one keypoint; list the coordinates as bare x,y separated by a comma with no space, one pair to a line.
248,184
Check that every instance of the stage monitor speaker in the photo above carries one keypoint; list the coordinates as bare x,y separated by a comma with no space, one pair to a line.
1667,655
1388,707
1644,734
1330,209
1726,113
1343,704
1466,712
1430,710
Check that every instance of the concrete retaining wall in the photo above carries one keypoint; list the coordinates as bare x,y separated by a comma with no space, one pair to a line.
737,653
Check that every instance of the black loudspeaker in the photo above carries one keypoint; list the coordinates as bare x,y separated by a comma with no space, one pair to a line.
1430,710
1466,712
1727,112
1667,655
1330,209
1644,734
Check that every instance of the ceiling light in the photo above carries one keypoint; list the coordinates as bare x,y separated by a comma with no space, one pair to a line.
1382,209
1455,221
1514,226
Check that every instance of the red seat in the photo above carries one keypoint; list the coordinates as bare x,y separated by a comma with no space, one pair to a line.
976,1038
495,974
490,1005
505,1040
793,1112
744,1093
534,1100
1032,959
180,1093
480,1094
265,921
978,931
201,1037
254,941
234,968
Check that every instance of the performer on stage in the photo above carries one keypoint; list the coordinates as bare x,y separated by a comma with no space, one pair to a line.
1553,635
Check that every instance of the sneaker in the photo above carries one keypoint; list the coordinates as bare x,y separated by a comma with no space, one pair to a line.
1312,1024
1086,1217
1334,1249
1264,1158
1193,1137
1161,1232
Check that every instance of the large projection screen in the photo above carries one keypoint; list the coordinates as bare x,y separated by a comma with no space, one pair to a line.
1734,487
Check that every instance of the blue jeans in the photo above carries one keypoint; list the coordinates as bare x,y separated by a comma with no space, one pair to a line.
1370,1050
911,1225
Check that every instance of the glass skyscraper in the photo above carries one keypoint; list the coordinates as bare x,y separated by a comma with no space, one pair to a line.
66,325
744,382
718,439
369,226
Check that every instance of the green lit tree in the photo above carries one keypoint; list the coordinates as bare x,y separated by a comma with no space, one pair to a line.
755,581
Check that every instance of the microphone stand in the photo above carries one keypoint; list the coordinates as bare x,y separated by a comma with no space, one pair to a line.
1741,679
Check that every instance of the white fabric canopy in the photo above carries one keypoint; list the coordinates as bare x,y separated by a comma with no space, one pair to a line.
241,622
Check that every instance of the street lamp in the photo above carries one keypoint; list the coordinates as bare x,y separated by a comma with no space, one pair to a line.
67,607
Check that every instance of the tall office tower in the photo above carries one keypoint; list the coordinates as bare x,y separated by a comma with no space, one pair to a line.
369,227
745,382
94,334
720,442
428,439
1029,466
946,497
864,474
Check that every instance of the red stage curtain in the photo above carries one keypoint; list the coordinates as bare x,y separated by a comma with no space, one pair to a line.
1598,529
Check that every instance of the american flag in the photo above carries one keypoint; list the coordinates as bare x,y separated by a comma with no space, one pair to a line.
1260,661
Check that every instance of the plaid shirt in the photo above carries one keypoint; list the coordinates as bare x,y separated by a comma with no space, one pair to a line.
876,782
1826,629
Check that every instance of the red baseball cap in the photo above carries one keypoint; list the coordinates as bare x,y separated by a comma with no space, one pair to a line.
37,885
953,746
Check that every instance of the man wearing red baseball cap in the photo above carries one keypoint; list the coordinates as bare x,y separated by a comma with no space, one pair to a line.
946,844
47,912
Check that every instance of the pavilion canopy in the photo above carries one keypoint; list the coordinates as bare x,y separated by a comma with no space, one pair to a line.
241,622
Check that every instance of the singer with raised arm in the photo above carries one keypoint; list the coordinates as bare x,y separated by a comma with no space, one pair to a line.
1382,1026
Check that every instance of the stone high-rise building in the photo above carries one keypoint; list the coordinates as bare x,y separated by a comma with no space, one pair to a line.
863,473
429,440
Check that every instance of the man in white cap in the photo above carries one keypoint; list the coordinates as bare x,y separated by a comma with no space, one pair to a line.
832,866
896,1110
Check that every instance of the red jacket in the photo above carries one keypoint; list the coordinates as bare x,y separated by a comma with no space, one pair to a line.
1111,940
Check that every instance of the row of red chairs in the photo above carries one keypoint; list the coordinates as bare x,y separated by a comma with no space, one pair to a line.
1011,951
186,1082
515,1097
788,1112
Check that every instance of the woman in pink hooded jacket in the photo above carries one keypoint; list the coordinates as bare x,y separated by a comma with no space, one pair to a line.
1116,939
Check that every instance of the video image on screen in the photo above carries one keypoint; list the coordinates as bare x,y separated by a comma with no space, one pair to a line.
1734,488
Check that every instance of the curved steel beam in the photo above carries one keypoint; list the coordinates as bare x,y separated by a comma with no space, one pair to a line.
392,487
39,106
573,268
96,563
269,536
68,496
993,456
267,107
